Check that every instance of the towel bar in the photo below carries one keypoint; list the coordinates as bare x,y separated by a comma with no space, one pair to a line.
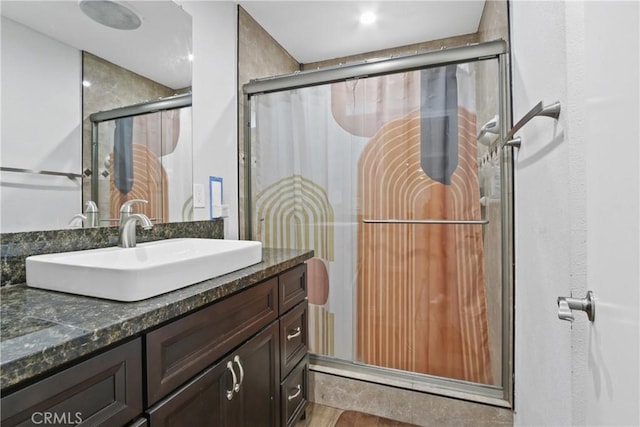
69,175
551,110
426,221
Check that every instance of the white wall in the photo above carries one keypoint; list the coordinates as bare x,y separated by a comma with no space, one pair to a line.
610,392
568,230
215,146
37,73
544,205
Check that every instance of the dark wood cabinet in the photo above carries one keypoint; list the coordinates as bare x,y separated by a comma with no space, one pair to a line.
241,361
198,403
293,287
103,390
294,394
258,394
293,364
293,338
181,349
240,390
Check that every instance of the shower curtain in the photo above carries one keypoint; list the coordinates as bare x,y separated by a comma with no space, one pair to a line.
409,297
149,138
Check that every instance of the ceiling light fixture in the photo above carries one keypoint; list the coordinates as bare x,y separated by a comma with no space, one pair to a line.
367,18
110,13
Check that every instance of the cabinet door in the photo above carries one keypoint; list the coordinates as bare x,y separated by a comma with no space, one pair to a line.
258,366
201,402
103,390
211,399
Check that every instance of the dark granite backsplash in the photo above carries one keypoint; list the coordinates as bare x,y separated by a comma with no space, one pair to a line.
16,247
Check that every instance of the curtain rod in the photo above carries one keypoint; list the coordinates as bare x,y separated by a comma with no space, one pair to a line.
404,63
170,103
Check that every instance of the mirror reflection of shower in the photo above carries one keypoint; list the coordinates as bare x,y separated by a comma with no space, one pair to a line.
144,151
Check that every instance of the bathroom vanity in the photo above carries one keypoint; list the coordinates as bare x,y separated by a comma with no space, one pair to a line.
230,351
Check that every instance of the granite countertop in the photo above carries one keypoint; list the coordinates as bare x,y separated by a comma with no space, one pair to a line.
42,330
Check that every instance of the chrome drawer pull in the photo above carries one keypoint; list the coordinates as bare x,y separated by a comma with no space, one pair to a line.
295,333
235,381
296,394
237,360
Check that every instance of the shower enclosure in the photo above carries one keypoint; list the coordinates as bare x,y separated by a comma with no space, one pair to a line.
393,172
144,151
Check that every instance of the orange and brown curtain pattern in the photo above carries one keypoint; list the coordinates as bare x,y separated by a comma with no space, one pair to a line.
421,303
138,173
404,296
295,212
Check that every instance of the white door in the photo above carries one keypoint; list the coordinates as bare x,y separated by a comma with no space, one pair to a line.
612,138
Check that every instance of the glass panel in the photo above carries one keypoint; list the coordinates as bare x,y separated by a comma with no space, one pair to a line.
334,163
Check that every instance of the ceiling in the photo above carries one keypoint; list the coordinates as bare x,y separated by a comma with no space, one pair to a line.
319,30
158,50
309,30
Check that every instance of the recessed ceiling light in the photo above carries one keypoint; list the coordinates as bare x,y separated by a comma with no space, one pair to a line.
86,83
111,13
367,18
190,57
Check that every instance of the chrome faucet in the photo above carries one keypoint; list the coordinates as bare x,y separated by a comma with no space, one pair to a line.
127,209
90,217
127,228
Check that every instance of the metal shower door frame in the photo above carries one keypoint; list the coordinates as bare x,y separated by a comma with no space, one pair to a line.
488,394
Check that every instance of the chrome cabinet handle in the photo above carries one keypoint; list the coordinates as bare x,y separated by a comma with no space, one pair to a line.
296,394
235,381
236,387
294,333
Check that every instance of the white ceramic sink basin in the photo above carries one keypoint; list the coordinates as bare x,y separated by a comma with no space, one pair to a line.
149,269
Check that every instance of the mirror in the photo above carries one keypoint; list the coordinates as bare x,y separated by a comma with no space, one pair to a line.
58,67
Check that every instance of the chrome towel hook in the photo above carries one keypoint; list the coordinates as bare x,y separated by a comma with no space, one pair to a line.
566,306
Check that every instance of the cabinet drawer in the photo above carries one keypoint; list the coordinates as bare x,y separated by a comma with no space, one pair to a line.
103,390
293,338
180,350
294,394
293,287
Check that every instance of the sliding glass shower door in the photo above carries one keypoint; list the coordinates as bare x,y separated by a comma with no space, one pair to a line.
395,182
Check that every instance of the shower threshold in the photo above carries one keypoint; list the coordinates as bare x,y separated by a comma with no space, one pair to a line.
452,388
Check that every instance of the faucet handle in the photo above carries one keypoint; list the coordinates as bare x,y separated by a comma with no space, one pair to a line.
127,206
